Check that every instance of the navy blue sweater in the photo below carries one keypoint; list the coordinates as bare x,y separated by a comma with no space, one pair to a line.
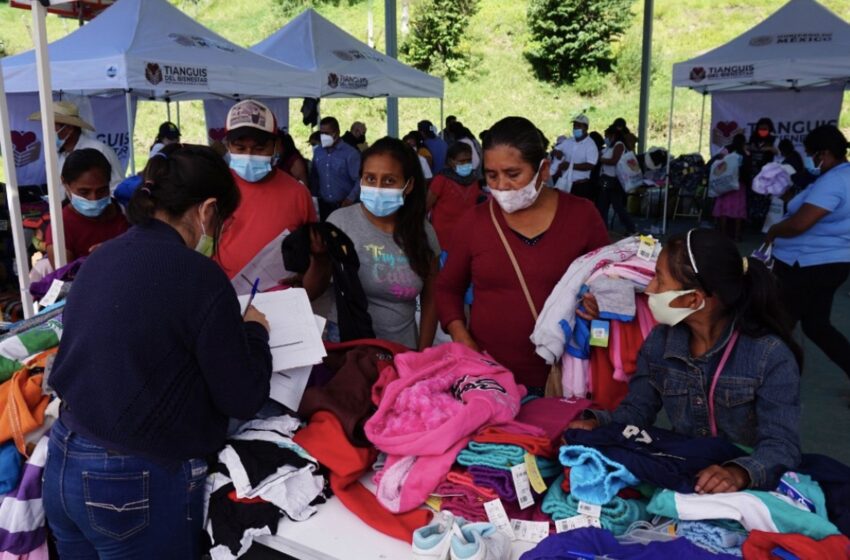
155,356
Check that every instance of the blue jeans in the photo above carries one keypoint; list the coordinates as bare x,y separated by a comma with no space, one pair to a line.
106,505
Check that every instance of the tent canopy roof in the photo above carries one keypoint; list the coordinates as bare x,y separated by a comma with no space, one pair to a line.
345,66
803,44
155,50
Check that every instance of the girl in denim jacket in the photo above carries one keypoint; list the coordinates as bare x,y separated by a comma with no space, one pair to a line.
721,362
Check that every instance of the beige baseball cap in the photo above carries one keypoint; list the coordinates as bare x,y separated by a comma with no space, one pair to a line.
65,112
581,119
251,114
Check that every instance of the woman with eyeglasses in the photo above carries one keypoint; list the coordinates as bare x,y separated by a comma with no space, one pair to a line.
722,362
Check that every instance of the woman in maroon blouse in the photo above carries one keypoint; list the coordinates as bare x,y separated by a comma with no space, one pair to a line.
546,230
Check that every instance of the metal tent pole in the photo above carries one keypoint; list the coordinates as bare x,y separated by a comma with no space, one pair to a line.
645,75
392,50
669,147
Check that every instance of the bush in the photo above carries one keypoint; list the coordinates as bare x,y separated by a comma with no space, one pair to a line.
629,57
590,83
569,36
437,40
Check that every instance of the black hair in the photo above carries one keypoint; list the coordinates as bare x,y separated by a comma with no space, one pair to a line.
619,122
287,144
521,134
764,121
458,149
827,138
739,144
416,136
615,134
426,128
180,176
315,136
409,232
597,139
751,296
81,161
331,122
785,146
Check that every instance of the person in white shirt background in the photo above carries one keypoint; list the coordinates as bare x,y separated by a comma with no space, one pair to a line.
575,159
73,133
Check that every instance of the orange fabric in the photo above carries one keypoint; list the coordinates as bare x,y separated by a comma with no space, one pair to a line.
631,339
537,446
324,439
463,478
22,404
759,546
607,391
267,208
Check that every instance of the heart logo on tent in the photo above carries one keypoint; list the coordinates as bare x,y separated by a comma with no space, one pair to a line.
153,73
217,134
27,147
333,80
724,132
697,74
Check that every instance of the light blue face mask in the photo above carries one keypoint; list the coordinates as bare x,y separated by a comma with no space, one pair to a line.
809,163
251,168
59,140
578,133
381,202
464,169
90,208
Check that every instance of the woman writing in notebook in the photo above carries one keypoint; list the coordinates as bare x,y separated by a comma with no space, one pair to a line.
540,229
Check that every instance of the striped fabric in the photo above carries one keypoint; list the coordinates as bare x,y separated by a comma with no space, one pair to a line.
22,523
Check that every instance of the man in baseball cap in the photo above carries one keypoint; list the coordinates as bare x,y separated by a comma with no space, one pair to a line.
272,201
574,160
74,133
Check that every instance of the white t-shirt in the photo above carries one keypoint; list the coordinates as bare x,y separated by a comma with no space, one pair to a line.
576,152
426,169
607,153
89,140
476,159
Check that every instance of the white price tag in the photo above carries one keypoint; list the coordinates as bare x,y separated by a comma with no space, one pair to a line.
522,486
52,294
646,249
590,510
576,522
499,518
530,531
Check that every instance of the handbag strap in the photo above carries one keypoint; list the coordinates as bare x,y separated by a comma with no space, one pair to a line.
514,262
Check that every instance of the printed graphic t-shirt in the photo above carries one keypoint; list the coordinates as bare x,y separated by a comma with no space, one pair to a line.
391,286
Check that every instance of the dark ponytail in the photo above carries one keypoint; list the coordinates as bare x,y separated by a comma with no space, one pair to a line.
180,176
746,288
409,231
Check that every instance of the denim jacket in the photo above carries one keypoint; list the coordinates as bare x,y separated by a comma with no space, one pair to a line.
756,402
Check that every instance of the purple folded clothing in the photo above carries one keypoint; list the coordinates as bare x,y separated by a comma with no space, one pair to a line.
67,273
499,480
450,489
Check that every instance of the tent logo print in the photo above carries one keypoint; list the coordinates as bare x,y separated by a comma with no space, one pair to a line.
27,148
333,80
697,74
347,81
343,55
761,41
153,73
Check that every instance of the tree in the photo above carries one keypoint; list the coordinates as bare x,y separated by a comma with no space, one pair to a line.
437,40
568,37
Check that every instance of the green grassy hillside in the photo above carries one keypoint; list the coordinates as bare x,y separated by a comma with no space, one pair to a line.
501,81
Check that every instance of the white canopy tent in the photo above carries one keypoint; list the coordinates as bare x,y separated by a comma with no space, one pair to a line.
802,45
345,67
150,50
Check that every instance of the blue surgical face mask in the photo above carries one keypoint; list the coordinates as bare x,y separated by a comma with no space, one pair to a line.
90,208
464,169
809,162
251,168
59,140
381,202
578,133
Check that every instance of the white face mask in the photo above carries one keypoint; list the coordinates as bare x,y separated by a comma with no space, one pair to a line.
327,140
519,199
659,305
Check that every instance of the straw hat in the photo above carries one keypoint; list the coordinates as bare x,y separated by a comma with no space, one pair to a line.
65,112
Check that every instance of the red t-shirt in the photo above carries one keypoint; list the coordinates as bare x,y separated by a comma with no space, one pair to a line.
269,207
453,201
82,233
501,321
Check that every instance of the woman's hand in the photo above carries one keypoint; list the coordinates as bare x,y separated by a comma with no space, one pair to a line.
459,333
717,479
253,315
583,424
591,308
317,244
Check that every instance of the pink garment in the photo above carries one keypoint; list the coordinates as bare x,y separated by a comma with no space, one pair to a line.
614,352
442,397
552,414
731,205
575,376
39,553
471,510
463,485
644,316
